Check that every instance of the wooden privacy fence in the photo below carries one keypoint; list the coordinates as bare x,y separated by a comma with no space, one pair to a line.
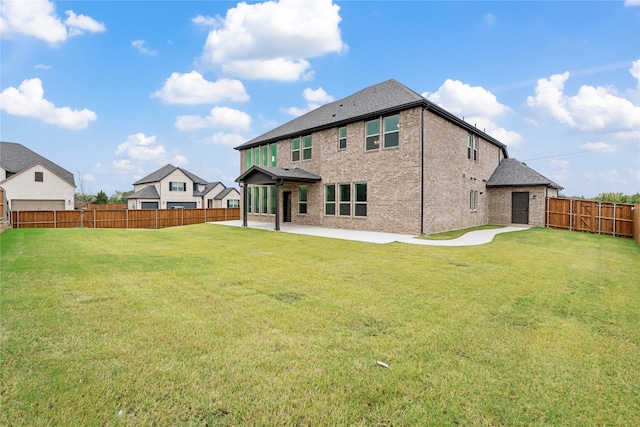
616,219
122,218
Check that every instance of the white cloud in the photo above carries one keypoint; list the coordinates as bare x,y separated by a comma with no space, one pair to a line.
478,106
559,169
601,147
28,100
89,177
191,88
314,98
273,39
205,21
139,149
489,19
79,24
632,2
140,47
461,99
228,139
42,67
591,109
38,18
220,117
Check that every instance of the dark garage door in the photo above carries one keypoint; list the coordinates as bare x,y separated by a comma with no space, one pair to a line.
520,207
186,205
149,205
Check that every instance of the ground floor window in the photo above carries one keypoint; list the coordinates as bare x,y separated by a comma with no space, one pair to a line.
272,199
260,199
302,199
473,200
330,199
361,199
345,199
233,203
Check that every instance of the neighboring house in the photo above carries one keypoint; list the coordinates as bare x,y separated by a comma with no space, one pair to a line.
173,187
32,182
386,159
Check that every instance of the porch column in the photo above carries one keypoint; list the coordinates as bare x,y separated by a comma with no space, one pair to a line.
244,204
278,185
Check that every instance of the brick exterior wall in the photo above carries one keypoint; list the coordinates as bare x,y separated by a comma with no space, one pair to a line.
500,204
393,177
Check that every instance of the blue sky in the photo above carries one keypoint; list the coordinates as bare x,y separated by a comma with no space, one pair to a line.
113,90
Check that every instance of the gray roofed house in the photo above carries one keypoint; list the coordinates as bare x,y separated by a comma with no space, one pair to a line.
33,182
386,159
173,187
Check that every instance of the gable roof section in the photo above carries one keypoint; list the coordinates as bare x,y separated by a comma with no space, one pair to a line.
164,171
269,175
148,192
380,99
15,158
210,186
225,192
512,173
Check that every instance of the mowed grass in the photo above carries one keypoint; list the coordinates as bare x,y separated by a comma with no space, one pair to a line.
215,325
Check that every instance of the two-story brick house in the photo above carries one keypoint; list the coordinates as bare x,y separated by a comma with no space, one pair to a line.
382,159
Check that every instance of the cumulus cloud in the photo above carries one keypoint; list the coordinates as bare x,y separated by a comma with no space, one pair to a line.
632,2
219,117
478,106
205,21
140,47
273,39
191,88
38,18
602,147
28,100
139,149
314,99
591,109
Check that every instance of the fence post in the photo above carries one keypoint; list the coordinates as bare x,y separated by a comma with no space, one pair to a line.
55,219
614,219
599,217
570,214
126,220
156,219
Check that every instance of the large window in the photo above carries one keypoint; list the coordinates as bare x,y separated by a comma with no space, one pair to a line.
249,191
306,147
233,203
256,200
342,138
274,154
256,156
391,131
302,199
345,199
372,134
472,147
265,155
295,149
272,199
361,199
248,162
265,199
330,199
177,186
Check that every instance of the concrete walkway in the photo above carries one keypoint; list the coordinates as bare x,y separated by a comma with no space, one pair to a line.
472,238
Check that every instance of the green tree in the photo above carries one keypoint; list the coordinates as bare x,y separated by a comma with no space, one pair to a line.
120,196
101,198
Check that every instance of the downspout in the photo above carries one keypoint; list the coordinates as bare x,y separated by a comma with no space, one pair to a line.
422,172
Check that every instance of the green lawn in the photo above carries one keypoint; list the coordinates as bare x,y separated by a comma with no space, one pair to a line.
215,325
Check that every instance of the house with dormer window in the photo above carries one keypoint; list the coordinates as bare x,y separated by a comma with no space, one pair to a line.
386,159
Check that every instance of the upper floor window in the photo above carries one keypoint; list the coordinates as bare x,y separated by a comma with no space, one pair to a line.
265,155
390,132
372,134
342,138
472,147
39,176
248,159
301,144
177,186
274,154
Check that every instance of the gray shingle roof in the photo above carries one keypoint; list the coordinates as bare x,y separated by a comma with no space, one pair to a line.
15,158
512,173
210,186
225,192
380,99
166,170
148,192
284,174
